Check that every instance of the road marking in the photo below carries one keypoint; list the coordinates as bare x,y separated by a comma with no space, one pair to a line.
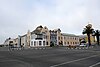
95,64
73,61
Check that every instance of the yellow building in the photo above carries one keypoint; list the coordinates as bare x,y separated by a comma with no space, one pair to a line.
70,39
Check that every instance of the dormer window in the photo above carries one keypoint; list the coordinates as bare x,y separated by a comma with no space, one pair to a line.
45,27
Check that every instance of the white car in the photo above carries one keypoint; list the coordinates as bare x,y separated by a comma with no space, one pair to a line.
83,45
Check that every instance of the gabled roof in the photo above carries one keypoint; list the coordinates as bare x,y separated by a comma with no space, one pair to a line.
37,30
66,34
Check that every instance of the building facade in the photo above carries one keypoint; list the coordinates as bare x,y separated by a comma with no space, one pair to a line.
42,36
55,37
70,39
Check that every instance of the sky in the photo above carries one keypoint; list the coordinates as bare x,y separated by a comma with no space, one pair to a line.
71,16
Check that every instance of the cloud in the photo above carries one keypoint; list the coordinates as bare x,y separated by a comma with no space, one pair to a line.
17,16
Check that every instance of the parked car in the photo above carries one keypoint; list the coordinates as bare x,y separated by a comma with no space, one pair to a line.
82,45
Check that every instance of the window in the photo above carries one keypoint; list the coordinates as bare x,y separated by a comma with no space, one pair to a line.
73,42
47,43
61,37
34,43
70,42
31,42
58,38
67,42
16,44
11,42
46,31
64,37
44,43
39,42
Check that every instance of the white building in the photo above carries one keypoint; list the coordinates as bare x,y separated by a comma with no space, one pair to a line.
37,40
40,37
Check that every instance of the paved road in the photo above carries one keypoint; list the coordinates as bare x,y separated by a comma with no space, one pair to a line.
51,57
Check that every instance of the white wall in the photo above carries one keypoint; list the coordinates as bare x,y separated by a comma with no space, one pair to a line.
37,43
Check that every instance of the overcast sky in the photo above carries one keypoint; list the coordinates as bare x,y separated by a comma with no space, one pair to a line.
71,16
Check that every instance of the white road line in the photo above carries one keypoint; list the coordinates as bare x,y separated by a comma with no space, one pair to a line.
73,61
95,64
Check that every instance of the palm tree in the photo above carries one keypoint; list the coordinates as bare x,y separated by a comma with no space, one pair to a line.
88,30
97,34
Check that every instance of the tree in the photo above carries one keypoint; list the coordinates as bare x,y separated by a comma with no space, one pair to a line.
88,30
97,34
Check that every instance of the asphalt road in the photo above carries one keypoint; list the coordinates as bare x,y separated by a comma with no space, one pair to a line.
51,57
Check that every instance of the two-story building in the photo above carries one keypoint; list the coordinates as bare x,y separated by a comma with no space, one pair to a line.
40,37
70,39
